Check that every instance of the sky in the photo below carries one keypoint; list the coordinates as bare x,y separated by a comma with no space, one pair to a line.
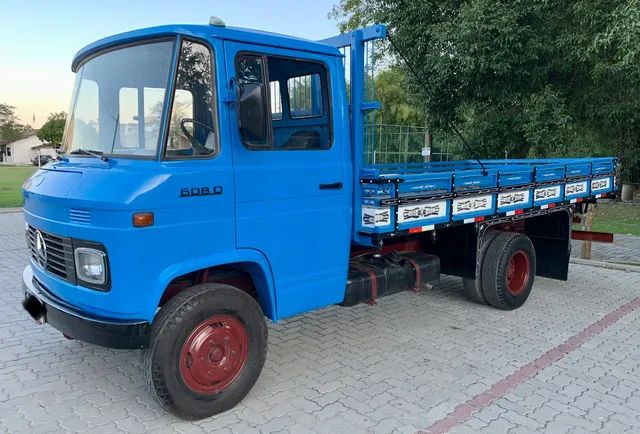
38,38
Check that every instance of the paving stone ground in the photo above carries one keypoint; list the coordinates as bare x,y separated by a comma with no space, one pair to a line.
400,366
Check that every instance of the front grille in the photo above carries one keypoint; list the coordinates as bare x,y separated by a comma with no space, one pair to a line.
55,254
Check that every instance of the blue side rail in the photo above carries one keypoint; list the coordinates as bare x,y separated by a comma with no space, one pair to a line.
412,198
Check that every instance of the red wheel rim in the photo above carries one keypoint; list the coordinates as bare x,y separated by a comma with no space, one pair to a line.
517,272
213,354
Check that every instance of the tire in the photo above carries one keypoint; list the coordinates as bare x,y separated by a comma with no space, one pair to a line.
508,271
473,287
207,348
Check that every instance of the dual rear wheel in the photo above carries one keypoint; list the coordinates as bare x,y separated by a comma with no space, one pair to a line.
507,267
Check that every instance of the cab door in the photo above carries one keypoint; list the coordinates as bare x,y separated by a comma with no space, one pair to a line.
293,188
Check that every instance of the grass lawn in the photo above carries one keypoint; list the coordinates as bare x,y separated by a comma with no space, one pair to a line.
11,179
616,218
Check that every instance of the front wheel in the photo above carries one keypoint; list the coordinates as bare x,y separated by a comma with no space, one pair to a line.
208,346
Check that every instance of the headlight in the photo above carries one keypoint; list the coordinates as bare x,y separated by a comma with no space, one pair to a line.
90,265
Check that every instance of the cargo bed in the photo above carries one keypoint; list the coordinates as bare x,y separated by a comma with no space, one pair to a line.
417,197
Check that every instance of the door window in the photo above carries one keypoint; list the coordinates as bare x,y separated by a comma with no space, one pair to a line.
295,107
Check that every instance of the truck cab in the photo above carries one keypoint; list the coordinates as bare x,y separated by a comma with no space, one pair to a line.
214,176
163,126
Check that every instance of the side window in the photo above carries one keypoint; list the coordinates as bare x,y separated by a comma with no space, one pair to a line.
192,128
276,100
305,96
298,97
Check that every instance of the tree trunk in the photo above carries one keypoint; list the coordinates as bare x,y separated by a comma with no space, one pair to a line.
587,225
427,141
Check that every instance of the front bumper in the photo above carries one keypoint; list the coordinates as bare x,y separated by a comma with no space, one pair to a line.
43,307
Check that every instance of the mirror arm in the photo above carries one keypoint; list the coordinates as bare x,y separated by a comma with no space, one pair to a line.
229,96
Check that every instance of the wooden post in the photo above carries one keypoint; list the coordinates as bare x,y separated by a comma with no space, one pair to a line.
587,225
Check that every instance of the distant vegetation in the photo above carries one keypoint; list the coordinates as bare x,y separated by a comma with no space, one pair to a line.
10,128
52,130
529,79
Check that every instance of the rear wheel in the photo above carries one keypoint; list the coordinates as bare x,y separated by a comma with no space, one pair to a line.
473,287
508,271
208,345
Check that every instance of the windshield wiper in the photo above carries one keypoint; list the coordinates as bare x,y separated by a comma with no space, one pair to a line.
97,154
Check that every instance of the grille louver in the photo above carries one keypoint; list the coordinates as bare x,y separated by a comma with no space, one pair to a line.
59,254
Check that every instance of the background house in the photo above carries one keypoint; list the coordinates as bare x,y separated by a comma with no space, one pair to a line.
23,150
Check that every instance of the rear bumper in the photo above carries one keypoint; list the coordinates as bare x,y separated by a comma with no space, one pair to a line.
44,307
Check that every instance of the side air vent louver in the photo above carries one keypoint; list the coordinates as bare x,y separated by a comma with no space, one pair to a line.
80,216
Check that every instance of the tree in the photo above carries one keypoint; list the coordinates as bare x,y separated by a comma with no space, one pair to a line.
10,129
7,114
532,78
398,107
53,128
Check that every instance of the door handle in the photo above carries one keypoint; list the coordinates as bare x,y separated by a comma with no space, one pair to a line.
334,186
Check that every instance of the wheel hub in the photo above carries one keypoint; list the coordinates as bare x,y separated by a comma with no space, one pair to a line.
216,354
213,354
518,272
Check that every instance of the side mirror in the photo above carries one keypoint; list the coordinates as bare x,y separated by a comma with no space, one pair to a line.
252,114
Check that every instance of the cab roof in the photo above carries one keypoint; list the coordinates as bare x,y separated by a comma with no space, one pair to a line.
237,34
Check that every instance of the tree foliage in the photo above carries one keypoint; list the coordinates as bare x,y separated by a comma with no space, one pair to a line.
7,114
398,107
10,129
53,128
529,77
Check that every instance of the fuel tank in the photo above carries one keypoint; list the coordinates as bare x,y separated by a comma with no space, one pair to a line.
374,275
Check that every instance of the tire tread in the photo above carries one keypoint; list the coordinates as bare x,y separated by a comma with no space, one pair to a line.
473,287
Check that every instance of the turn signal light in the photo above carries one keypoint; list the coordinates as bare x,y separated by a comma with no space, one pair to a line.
142,219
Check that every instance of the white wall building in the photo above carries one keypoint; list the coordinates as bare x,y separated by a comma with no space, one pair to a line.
24,150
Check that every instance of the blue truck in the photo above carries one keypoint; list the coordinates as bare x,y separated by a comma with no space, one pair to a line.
212,177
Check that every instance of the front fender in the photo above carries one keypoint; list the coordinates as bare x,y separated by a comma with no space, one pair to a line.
250,260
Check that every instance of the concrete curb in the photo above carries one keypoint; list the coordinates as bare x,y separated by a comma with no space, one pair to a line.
608,265
10,210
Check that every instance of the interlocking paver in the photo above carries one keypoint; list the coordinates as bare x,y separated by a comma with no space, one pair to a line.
399,366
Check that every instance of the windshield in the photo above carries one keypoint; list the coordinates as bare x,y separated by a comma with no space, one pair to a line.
117,102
